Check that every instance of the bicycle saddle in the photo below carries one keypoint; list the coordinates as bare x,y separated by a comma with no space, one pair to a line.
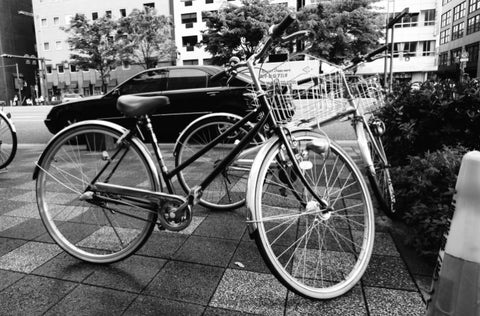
134,105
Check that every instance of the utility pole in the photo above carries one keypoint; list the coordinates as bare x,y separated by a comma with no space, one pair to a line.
19,84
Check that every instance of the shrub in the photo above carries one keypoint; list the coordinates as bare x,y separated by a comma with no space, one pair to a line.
424,189
435,115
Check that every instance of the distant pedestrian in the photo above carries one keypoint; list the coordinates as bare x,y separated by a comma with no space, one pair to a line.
15,100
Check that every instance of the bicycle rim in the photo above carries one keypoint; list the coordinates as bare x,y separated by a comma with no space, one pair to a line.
8,142
92,230
316,255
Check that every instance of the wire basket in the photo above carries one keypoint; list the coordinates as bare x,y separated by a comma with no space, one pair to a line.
312,91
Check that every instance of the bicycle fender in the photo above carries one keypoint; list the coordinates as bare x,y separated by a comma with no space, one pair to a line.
204,117
252,183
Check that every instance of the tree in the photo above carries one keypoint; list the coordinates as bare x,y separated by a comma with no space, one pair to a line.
93,45
342,29
146,38
237,30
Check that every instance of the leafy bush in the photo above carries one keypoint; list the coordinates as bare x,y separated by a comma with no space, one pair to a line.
424,189
435,115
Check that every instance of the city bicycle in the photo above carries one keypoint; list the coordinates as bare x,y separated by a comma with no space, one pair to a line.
321,98
8,140
100,194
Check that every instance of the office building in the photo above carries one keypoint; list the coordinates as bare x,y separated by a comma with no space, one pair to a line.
459,38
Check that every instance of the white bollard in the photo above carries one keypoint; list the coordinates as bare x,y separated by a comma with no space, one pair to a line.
457,292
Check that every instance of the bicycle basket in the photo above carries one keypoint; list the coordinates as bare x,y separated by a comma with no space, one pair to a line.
281,102
368,94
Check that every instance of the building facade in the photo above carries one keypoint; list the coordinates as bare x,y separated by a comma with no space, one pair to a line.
59,76
17,37
459,38
414,41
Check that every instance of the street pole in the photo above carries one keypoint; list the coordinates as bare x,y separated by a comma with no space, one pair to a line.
19,86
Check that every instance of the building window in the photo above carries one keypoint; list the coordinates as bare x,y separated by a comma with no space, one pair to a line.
123,12
188,19
455,55
94,16
60,68
208,1
443,59
58,45
429,17
444,2
428,48
189,42
46,46
73,68
445,18
444,37
474,5
473,24
56,20
409,48
68,19
472,51
108,14
410,20
44,22
49,69
190,62
125,65
188,3
459,11
150,5
457,30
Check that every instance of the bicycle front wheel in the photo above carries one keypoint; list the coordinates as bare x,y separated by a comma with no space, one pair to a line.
227,191
94,230
8,141
380,179
317,252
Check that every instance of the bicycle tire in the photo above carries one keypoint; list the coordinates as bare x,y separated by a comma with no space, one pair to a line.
315,255
380,179
227,191
8,141
88,230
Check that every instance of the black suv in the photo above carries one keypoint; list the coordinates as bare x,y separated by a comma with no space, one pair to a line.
191,91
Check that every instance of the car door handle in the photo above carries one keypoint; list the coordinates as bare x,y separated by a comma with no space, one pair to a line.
212,94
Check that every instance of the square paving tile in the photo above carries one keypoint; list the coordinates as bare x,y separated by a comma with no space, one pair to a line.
193,283
250,292
28,257
90,300
8,278
29,210
249,257
214,311
228,227
7,245
131,274
389,302
351,303
27,228
146,305
7,222
211,251
33,295
162,245
66,267
388,271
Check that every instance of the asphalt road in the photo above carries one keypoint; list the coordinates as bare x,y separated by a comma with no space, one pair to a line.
30,128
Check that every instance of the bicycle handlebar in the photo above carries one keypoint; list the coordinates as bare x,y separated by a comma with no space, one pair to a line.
278,29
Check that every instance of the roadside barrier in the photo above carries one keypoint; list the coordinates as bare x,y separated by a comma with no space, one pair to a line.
456,290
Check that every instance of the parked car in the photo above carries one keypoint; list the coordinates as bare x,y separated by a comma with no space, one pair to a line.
67,97
191,91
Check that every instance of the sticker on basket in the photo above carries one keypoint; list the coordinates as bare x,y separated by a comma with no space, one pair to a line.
306,165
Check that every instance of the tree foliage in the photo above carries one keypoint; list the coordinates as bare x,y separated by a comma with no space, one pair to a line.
237,30
146,38
93,44
342,29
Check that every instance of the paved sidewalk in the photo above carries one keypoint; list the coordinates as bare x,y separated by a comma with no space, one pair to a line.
212,268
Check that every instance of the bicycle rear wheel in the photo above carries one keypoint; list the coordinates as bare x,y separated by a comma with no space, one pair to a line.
317,253
227,191
8,141
91,229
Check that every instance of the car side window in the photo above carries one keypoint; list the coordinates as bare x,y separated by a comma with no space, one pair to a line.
148,81
186,78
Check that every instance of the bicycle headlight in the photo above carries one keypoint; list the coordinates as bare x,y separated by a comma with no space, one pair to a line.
377,127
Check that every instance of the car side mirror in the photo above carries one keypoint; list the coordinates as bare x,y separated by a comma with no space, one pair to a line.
116,92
